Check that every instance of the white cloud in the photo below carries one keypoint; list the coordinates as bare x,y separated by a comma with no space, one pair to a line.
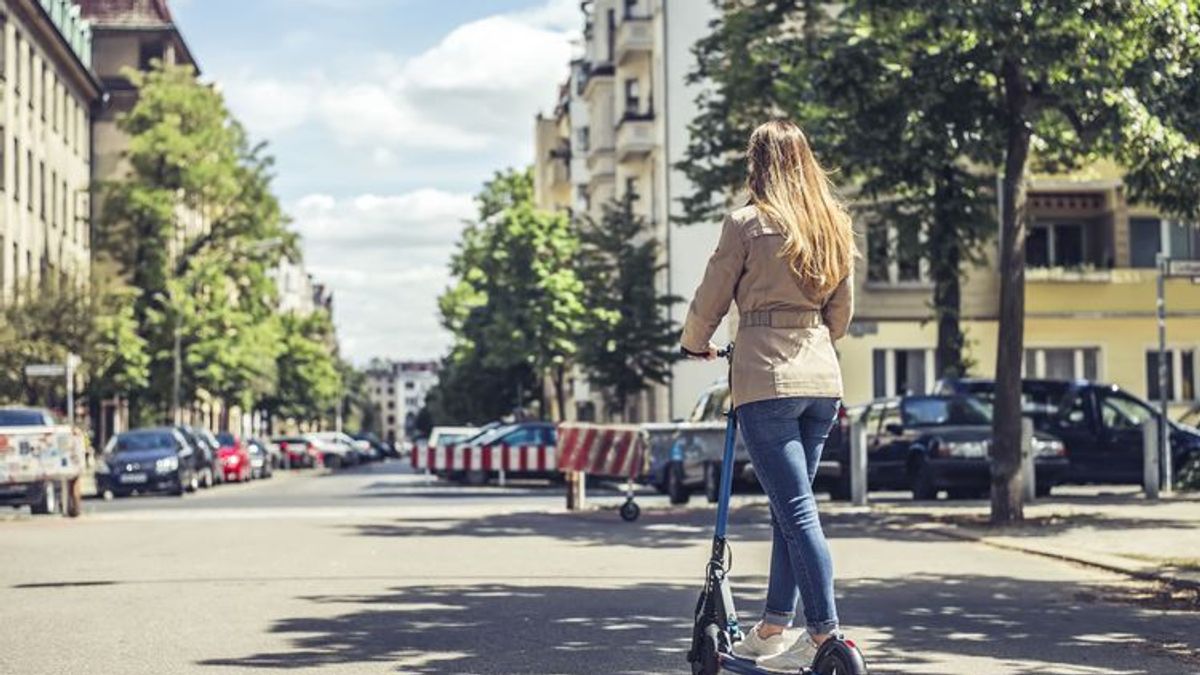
477,88
385,256
556,15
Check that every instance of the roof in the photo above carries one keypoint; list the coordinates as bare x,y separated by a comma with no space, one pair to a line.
127,13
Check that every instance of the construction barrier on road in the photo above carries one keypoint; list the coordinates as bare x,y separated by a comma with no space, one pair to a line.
511,459
603,450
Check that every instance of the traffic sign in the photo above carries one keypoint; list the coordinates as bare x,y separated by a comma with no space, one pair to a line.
46,370
1183,268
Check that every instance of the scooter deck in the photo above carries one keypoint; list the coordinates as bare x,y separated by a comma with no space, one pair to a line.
736,664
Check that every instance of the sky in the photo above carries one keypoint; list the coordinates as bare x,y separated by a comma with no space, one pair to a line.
385,118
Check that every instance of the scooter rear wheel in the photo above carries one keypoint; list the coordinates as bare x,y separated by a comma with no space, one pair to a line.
838,657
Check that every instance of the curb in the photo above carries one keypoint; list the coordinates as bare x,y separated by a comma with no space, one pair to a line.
1098,561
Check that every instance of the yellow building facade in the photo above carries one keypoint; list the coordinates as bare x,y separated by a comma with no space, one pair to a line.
1090,300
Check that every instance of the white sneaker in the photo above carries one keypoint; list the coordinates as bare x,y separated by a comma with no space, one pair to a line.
796,658
754,647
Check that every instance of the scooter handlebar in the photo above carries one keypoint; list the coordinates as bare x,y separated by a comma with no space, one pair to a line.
722,353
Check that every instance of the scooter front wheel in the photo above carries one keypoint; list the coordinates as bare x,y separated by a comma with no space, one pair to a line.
709,661
630,511
839,657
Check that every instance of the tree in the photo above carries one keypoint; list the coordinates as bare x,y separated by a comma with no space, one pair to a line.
910,157
516,303
308,376
1059,83
194,228
627,342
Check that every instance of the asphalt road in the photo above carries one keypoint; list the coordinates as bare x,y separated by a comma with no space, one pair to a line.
373,570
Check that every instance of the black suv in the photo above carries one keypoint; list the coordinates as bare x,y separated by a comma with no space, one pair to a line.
147,460
1100,424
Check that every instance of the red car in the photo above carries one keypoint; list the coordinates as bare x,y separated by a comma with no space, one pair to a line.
298,452
235,459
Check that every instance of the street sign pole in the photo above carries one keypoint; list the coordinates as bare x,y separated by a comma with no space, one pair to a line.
1164,265
72,363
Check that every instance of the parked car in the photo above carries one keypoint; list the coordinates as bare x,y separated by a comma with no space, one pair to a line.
932,443
235,458
689,460
517,434
261,460
41,462
298,451
1100,424
445,436
205,462
275,457
381,448
147,460
338,449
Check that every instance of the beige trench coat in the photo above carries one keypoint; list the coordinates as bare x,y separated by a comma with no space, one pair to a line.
786,331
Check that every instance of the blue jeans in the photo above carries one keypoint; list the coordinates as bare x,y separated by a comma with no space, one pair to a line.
785,437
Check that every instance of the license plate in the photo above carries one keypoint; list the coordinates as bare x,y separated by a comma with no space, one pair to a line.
133,478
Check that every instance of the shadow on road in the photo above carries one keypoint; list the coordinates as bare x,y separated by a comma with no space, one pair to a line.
656,528
920,625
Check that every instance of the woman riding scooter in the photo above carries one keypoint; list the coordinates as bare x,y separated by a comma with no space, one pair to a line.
787,260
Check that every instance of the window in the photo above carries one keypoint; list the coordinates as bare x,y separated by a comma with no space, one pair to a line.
42,187
584,137
391,419
612,33
524,436
16,171
3,50
895,255
1057,245
1121,412
391,391
633,100
1181,375
1145,241
410,385
148,53
1062,363
3,147
899,372
890,416
631,187
29,176
47,91
631,8
391,405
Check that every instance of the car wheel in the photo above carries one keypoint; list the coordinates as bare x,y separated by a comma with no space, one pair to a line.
193,482
48,502
207,479
677,491
180,487
923,486
712,482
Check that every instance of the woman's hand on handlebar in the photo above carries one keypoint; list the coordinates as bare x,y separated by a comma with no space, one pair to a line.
709,354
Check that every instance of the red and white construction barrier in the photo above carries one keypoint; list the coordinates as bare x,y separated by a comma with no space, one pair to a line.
606,450
510,459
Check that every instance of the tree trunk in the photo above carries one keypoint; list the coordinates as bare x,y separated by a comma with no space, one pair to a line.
945,266
1007,503
560,393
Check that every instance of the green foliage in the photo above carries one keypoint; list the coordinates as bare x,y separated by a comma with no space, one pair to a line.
308,373
516,307
95,324
628,341
195,228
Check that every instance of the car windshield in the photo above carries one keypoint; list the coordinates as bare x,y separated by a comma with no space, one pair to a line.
226,438
16,417
483,438
939,411
148,440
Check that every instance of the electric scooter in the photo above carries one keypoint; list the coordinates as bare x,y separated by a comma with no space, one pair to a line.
716,629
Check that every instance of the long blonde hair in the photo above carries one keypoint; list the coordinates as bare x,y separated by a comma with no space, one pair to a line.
794,193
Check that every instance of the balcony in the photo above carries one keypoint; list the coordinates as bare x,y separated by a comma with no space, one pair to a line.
596,75
635,37
600,162
635,136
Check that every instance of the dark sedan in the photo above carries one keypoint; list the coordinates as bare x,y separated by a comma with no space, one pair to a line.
930,444
147,460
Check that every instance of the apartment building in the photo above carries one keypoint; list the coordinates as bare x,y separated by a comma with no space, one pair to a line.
1090,299
295,286
397,390
47,96
626,107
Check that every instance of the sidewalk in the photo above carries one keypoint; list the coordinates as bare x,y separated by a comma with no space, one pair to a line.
1110,528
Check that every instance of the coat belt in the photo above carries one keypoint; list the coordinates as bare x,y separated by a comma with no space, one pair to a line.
782,318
